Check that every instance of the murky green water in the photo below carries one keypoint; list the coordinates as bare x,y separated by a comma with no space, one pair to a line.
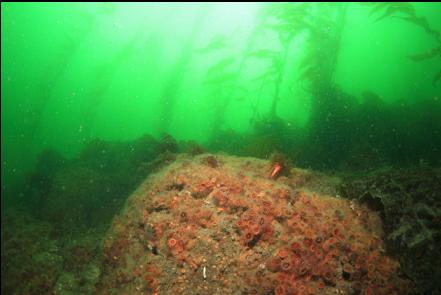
94,97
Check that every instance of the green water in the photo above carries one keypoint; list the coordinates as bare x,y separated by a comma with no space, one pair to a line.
334,87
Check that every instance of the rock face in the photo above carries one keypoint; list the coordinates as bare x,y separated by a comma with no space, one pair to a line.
86,191
31,259
409,201
35,260
219,225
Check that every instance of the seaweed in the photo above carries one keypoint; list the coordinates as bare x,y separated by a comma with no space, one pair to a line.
218,42
286,21
406,12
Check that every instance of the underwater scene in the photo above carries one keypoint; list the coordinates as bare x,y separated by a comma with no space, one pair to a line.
221,148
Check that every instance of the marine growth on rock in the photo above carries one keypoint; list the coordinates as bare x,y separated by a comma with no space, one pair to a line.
229,229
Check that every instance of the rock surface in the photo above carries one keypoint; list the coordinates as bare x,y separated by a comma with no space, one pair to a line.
219,225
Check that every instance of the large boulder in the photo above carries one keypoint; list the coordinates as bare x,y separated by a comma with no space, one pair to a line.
220,225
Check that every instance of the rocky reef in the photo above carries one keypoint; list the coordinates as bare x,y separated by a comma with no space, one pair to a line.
409,201
87,191
217,224
220,225
35,260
